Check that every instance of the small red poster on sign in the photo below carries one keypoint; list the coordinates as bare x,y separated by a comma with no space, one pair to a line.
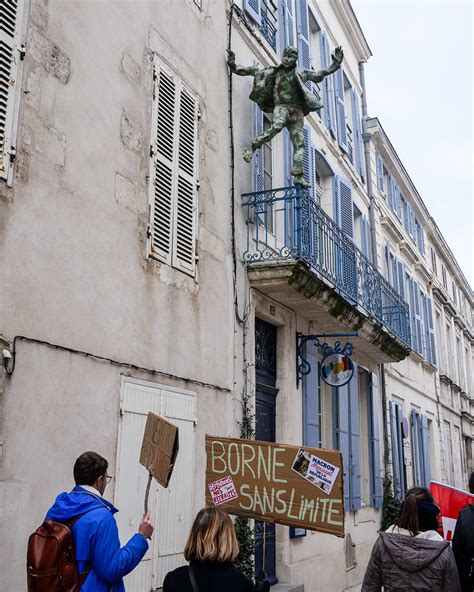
222,490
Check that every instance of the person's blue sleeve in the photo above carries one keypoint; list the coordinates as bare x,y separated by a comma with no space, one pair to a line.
109,561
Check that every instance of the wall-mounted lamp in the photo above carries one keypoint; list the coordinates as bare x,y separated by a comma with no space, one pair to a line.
9,366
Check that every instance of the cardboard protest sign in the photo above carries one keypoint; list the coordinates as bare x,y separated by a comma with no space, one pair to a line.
450,501
293,485
159,448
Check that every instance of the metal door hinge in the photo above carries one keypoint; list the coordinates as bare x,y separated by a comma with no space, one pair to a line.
22,50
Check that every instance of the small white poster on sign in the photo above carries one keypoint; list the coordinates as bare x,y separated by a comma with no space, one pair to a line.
317,471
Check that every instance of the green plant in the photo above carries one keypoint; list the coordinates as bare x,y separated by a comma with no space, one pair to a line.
390,505
246,539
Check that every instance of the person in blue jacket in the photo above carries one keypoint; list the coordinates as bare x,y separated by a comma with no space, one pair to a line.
95,533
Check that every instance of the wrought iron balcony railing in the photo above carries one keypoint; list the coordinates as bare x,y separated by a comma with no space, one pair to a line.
268,24
286,224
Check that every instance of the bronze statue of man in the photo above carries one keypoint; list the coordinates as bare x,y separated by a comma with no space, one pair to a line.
281,90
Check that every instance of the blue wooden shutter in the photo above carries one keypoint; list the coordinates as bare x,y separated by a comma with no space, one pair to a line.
413,325
391,265
258,175
390,192
416,447
426,451
397,202
401,278
253,9
287,156
397,478
379,167
406,214
308,161
340,109
358,143
429,331
341,435
344,206
364,235
345,252
417,317
304,43
328,85
355,468
288,23
374,446
311,400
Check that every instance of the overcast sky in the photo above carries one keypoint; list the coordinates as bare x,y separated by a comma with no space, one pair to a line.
420,85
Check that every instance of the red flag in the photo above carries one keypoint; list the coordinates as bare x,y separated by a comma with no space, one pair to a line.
451,501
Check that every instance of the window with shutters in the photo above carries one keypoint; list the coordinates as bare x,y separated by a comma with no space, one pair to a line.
173,174
266,218
433,261
346,438
444,277
265,15
420,439
397,450
11,51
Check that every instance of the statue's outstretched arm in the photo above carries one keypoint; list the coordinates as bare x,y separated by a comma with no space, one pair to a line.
239,70
337,58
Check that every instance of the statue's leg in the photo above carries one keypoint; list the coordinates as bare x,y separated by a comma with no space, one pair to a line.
297,139
280,115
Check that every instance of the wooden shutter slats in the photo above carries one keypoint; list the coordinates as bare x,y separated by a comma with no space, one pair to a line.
174,165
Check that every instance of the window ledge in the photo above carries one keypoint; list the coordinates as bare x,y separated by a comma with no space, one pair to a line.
423,272
391,229
409,251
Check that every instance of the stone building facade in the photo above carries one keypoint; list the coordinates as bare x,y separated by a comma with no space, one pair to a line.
145,266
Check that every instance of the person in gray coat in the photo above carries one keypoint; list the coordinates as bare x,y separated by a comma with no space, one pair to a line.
411,556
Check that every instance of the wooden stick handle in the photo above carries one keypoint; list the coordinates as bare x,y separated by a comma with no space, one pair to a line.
147,493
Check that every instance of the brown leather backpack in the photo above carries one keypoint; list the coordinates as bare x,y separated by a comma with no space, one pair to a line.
51,563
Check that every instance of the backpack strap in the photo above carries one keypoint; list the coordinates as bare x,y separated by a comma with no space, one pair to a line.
192,578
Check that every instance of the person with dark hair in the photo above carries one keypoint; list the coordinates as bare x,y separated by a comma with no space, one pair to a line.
94,530
463,543
211,549
411,556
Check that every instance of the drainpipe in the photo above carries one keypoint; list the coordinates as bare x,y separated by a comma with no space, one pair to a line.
366,138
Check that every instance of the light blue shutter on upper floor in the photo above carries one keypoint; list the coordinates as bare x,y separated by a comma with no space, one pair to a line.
401,278
379,167
308,160
258,175
253,9
358,143
390,192
429,331
365,236
340,109
328,85
344,208
311,402
288,23
374,445
304,43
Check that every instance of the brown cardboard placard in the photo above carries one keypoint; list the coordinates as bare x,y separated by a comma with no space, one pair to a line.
159,448
293,485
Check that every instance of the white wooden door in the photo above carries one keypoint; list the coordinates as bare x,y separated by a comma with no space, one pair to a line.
171,508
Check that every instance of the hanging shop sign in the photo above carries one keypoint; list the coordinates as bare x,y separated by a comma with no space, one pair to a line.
337,369
293,485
